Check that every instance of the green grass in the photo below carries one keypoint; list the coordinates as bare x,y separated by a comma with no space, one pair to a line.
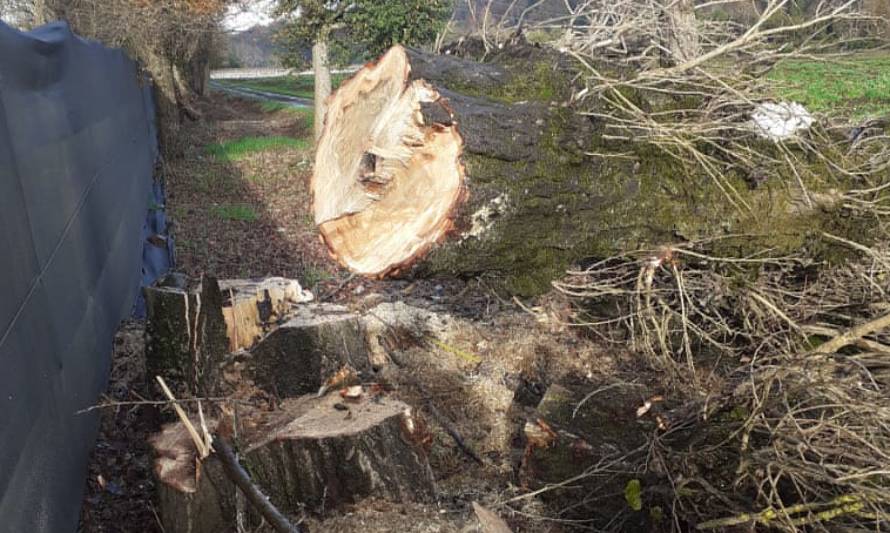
241,148
301,86
237,212
275,107
856,86
313,275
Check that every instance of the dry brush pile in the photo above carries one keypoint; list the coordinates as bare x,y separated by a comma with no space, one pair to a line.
775,364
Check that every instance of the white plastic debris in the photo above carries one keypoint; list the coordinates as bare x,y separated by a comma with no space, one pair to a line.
781,120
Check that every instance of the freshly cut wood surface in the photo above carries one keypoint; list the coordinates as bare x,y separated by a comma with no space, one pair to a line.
386,181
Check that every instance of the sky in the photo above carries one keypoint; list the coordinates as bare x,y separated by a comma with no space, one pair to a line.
251,13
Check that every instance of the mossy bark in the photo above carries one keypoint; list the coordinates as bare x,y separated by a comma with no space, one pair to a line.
547,188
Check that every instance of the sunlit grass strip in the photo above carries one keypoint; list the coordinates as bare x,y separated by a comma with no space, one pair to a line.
241,148
236,212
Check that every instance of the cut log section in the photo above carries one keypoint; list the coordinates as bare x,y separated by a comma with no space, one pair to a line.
407,156
320,344
386,183
440,165
334,450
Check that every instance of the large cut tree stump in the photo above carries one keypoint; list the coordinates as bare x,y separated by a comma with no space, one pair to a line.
326,452
441,165
315,454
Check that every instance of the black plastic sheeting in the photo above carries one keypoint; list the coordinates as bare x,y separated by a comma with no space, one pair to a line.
77,154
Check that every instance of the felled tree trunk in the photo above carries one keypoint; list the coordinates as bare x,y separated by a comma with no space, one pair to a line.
419,147
439,165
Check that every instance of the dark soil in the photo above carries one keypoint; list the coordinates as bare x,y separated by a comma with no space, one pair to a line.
121,488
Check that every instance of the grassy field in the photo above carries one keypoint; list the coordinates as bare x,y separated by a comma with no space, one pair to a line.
301,86
857,86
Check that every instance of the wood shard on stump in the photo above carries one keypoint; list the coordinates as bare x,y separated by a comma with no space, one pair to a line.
194,496
317,345
325,452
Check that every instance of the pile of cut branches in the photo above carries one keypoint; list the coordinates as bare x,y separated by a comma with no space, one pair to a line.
780,367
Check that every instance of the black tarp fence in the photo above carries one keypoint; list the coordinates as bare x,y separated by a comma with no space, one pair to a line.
77,155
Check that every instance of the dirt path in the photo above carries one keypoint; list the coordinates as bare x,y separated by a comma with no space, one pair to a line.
239,196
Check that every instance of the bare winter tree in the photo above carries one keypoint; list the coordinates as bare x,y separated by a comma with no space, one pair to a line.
172,39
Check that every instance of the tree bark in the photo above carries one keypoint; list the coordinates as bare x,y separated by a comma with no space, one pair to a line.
436,165
322,71
199,80
319,345
186,337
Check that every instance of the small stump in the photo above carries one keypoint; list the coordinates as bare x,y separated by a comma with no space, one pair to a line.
309,350
590,429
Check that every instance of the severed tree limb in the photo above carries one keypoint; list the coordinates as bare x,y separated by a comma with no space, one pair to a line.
865,344
253,494
853,335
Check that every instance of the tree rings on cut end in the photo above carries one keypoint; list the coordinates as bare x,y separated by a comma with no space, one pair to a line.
387,182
